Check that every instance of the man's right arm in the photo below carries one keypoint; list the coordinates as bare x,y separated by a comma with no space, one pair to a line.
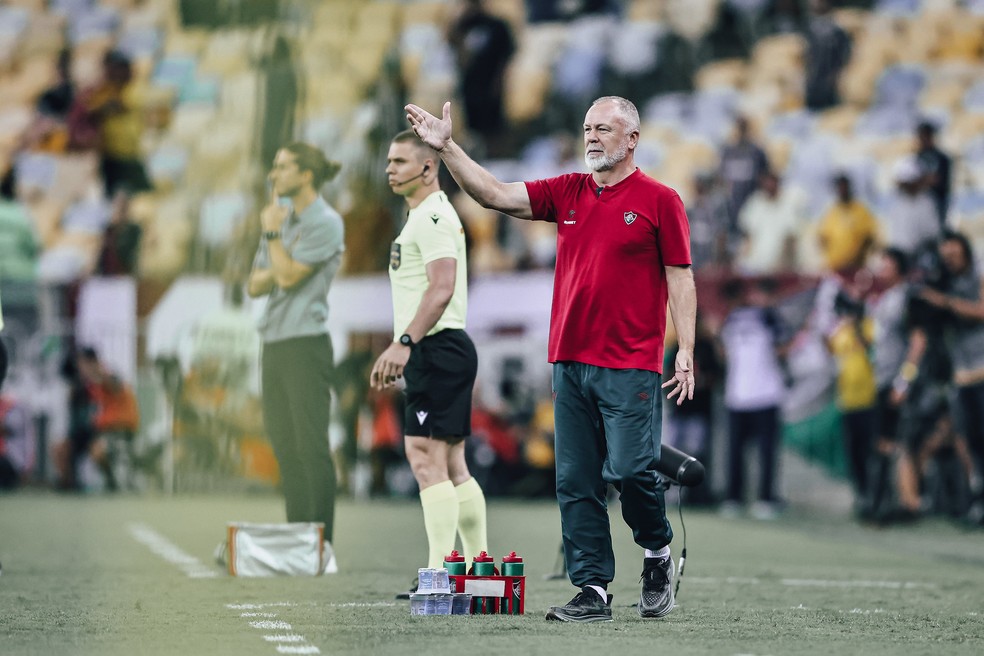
510,198
506,197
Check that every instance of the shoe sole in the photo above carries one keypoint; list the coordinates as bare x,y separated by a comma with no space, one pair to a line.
557,617
653,615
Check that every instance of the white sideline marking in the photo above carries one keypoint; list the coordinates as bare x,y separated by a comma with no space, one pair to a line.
814,583
271,624
284,637
160,545
820,583
364,604
288,642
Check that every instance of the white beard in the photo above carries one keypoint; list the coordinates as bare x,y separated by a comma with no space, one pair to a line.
599,163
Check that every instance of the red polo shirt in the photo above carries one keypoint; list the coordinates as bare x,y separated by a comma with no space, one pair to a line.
609,296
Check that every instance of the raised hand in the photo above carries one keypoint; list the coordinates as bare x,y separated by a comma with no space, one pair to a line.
433,131
683,378
273,214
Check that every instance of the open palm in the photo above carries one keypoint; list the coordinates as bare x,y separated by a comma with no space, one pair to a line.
433,131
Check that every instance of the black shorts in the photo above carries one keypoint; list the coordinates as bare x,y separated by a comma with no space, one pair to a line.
887,418
440,376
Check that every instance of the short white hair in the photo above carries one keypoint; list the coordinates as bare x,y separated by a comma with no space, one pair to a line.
627,110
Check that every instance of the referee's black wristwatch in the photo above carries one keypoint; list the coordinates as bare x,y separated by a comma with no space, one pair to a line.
406,340
270,235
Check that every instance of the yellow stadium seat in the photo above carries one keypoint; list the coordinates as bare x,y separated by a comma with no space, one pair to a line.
729,73
525,92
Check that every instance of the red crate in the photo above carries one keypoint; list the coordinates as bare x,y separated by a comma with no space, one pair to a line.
504,594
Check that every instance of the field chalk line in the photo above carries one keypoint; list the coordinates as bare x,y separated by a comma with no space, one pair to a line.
814,583
172,553
287,642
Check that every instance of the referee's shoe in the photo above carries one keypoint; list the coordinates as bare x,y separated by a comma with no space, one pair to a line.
657,587
586,606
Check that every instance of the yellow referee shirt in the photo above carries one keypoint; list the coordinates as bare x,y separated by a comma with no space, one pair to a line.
432,231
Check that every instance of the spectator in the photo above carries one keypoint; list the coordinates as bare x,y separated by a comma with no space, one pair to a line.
50,129
102,411
107,117
782,17
70,451
16,443
18,243
742,165
4,355
711,240
920,388
688,426
828,49
121,240
771,222
896,355
847,232
910,221
754,389
56,101
729,37
484,45
962,298
849,342
935,166
351,386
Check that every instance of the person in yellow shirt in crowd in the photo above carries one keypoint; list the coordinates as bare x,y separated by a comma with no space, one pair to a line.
847,232
107,116
850,341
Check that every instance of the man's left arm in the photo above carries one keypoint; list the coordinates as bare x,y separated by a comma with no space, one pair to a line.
318,242
683,309
963,308
968,309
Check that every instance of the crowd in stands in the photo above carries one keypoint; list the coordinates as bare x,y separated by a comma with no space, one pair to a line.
816,144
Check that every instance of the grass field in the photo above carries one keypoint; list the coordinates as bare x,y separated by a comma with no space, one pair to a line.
80,577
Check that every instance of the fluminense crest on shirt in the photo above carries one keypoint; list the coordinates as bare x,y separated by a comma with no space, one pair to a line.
629,217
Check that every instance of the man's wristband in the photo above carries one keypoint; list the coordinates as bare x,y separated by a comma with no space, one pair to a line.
908,372
271,235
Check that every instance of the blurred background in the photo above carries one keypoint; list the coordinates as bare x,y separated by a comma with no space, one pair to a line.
135,137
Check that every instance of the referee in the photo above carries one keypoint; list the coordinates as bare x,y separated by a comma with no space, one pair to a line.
297,259
432,351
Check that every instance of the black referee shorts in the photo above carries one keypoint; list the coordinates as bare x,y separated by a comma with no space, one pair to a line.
440,376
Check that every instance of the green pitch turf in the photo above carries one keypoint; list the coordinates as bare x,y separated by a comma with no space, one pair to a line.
76,580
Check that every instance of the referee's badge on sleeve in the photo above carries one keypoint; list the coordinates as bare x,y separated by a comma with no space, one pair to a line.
395,256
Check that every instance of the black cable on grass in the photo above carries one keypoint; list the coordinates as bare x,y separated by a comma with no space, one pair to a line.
683,554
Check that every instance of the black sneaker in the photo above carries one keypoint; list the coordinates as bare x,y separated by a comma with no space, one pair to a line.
413,589
657,587
586,606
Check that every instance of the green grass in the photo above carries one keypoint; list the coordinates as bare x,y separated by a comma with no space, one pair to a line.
76,582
